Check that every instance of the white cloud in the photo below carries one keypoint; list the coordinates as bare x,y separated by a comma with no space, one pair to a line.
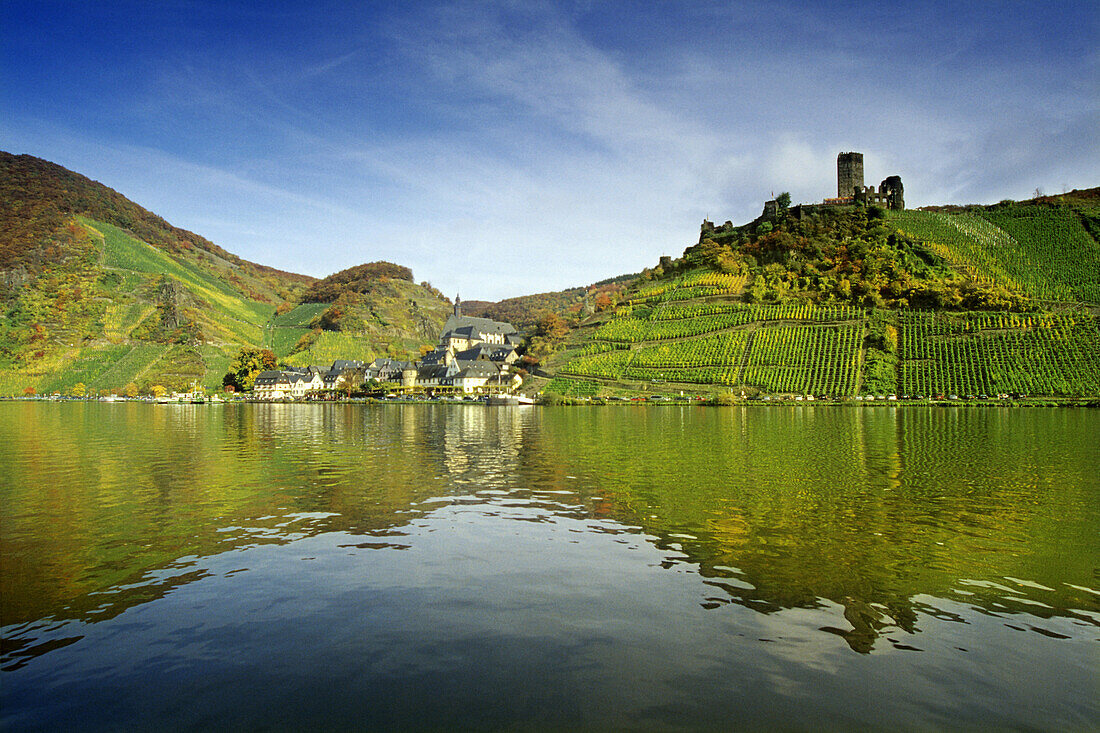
500,148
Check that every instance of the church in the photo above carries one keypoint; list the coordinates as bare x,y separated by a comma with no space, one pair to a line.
474,353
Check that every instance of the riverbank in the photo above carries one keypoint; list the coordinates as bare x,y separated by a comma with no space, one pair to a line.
653,400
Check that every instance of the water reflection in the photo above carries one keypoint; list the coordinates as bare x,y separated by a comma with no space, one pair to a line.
882,520
869,509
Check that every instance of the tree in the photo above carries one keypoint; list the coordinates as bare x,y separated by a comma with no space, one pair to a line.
29,391
78,390
247,365
782,203
157,390
130,390
553,326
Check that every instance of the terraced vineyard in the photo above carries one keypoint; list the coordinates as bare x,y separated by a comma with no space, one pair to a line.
989,354
1045,251
240,319
691,285
790,347
670,333
331,346
819,360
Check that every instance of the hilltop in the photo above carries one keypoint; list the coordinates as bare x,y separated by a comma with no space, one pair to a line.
369,310
97,290
852,300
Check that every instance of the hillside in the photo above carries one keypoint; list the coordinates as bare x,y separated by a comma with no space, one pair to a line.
527,311
96,290
965,301
365,311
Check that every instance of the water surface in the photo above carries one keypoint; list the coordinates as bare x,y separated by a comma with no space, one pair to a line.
442,566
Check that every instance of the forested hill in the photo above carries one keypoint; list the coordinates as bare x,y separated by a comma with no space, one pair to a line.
978,300
97,293
38,197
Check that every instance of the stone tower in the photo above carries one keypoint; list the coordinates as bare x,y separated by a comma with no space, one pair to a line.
849,173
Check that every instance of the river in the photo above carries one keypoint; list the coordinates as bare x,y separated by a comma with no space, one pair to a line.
438,566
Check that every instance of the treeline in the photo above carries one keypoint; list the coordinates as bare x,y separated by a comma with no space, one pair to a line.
528,313
850,256
358,279
525,311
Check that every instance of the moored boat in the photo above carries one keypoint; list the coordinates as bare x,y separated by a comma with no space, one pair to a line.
509,399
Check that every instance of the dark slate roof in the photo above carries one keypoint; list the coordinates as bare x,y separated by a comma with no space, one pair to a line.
434,357
340,364
432,371
481,351
469,325
478,369
388,364
286,375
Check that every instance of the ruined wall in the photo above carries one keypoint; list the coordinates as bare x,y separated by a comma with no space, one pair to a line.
708,228
894,192
890,194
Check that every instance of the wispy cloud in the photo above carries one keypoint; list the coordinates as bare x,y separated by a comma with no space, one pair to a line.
505,147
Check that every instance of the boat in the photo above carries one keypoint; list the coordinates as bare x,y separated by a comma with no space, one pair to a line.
510,399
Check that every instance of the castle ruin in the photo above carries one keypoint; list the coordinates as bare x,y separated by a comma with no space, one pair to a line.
850,189
849,173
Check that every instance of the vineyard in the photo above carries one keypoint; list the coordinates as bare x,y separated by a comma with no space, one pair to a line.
798,348
997,353
802,348
1040,259
820,360
692,285
1046,251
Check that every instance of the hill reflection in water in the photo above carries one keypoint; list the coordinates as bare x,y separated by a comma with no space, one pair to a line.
594,537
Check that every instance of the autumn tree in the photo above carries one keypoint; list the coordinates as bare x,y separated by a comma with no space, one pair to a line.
247,365
552,326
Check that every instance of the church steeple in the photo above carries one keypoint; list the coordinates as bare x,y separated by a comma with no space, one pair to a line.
458,306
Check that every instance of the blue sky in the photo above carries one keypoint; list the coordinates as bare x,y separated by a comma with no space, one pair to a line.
506,148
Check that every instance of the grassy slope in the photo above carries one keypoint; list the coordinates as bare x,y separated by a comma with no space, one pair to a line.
229,316
109,346
394,318
98,347
97,289
677,335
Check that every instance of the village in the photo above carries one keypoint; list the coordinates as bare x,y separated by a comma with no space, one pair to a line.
474,358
